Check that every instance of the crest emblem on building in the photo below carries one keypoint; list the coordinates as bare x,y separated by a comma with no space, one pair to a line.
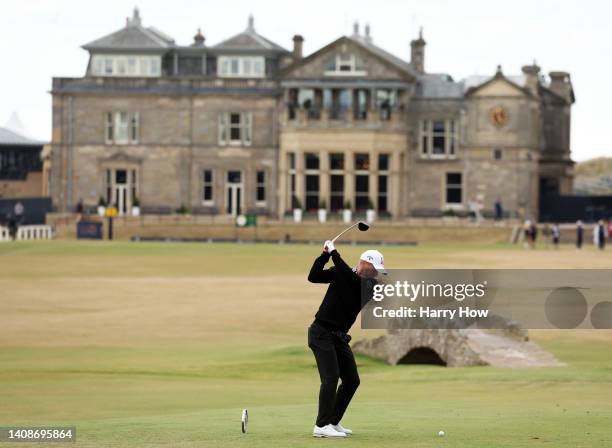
498,116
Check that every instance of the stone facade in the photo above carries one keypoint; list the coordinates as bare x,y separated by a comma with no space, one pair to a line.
246,126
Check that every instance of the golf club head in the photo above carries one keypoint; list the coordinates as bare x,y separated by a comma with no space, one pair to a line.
363,226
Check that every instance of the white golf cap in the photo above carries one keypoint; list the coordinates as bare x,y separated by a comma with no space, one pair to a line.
374,257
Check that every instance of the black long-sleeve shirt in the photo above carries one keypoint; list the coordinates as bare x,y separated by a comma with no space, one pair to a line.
345,297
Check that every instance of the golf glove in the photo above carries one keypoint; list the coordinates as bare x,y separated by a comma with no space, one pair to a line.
329,246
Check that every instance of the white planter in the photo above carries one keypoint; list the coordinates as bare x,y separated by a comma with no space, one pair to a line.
135,211
347,215
297,215
101,210
322,215
370,215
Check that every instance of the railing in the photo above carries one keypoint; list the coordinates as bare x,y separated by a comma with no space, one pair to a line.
336,116
26,233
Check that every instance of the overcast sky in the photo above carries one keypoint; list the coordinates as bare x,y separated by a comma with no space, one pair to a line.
40,39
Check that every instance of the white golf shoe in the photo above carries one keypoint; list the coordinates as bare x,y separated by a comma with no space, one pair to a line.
339,428
326,431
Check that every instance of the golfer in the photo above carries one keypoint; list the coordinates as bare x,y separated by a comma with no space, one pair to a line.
328,338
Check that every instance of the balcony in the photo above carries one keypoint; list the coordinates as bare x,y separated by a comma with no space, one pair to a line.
335,117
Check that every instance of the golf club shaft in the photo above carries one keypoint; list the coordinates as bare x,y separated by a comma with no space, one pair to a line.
343,232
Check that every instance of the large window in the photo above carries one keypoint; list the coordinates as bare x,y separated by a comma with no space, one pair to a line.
207,187
121,127
235,128
336,184
383,182
311,162
260,187
125,65
438,138
362,181
241,66
345,64
454,188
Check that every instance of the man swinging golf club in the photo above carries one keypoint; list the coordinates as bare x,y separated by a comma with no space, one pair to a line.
328,338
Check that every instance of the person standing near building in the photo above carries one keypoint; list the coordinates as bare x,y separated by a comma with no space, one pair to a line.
19,211
499,210
579,234
556,235
599,235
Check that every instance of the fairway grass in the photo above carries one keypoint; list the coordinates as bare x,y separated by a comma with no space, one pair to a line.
163,345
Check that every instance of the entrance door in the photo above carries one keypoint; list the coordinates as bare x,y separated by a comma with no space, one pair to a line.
234,193
121,189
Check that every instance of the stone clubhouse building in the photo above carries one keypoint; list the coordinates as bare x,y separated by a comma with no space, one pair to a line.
247,126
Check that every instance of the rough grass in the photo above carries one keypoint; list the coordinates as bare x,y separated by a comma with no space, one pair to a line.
159,344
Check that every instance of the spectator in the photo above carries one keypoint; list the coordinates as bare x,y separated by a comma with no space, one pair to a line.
12,226
599,235
556,235
499,210
19,211
579,234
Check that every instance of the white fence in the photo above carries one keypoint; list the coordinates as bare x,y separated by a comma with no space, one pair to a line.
41,232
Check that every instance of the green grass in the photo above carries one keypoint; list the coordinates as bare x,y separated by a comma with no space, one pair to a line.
156,344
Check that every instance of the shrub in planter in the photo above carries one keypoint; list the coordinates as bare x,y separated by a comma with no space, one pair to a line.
101,206
347,214
322,212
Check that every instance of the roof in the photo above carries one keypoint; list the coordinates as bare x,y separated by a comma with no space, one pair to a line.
8,137
439,85
366,41
133,36
249,40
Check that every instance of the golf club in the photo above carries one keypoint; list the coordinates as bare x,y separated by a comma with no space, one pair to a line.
360,225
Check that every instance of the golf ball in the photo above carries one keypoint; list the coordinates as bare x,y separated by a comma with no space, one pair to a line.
441,433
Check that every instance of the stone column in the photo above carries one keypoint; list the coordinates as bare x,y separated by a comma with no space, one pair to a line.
324,177
394,186
299,177
283,185
373,179
349,178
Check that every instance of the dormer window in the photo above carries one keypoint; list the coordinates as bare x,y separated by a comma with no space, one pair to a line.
241,66
345,64
131,65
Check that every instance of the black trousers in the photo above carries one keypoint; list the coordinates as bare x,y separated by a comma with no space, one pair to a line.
335,361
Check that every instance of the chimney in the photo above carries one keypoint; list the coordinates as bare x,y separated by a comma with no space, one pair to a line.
532,78
198,39
368,37
417,54
356,28
251,23
297,47
561,84
136,21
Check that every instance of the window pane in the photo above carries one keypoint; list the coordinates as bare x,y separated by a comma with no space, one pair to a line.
383,162
362,184
292,160
207,176
337,183
311,161
453,178
438,126
234,177
336,161
235,119
261,177
208,193
312,182
235,134
362,161
438,145
382,203
382,184
261,194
